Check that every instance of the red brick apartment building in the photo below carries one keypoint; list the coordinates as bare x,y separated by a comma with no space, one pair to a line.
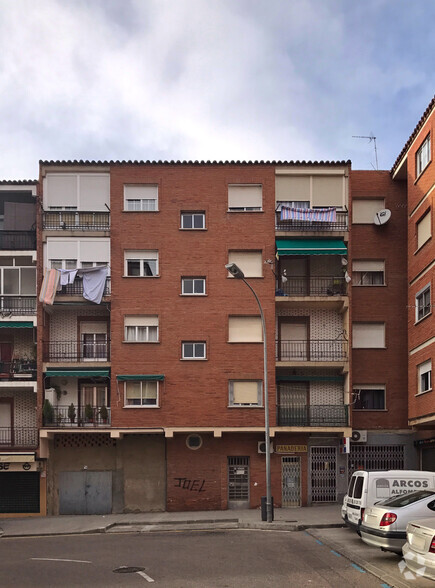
150,354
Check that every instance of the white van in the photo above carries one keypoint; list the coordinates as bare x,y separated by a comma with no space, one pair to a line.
368,488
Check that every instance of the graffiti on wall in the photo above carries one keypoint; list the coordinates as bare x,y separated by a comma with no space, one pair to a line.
191,485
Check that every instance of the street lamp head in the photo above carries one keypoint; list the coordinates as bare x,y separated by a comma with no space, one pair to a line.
235,271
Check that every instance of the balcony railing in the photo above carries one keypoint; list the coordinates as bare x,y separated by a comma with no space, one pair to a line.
76,288
83,418
18,305
18,240
68,351
75,220
317,415
341,224
313,286
313,350
18,437
18,369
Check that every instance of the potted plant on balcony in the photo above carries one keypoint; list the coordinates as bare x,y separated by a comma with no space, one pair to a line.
89,413
71,413
48,412
104,414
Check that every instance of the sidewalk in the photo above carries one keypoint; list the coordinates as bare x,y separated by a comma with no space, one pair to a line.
285,519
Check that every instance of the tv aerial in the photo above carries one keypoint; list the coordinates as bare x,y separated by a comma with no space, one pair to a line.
371,138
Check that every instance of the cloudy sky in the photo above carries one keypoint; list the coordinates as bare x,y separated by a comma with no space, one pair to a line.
211,79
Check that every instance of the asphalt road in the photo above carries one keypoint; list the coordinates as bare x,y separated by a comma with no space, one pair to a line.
191,559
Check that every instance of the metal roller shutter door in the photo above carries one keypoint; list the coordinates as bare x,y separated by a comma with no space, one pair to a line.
19,492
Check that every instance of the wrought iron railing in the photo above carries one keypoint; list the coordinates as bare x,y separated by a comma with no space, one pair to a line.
67,351
17,305
341,224
313,286
93,416
313,350
18,368
18,437
76,288
16,240
75,220
317,415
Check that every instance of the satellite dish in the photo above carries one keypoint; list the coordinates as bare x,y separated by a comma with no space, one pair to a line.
382,217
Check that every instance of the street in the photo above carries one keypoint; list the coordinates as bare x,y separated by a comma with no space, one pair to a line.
194,559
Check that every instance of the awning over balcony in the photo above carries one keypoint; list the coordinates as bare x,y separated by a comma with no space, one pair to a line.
310,378
16,325
77,373
140,377
311,247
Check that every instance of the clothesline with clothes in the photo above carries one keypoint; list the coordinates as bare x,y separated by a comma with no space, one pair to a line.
309,214
94,282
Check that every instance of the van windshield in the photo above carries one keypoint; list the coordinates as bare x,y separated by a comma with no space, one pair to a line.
406,499
351,485
357,493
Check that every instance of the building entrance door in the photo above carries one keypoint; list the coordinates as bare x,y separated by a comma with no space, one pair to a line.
291,481
238,482
85,492
324,474
6,432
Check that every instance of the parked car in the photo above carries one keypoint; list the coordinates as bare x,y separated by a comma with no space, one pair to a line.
384,525
419,549
368,488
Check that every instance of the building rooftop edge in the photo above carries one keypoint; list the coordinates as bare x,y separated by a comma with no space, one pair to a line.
18,182
189,162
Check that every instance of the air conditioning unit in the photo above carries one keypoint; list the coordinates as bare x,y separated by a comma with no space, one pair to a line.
359,436
262,447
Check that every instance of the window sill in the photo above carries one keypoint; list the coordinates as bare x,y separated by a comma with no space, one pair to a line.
192,229
422,393
369,285
370,410
250,277
422,318
193,359
244,211
246,342
141,211
193,295
422,245
422,171
142,406
136,277
146,342
245,406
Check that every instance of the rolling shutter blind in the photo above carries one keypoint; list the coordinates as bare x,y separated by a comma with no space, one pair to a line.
245,329
371,265
363,211
423,230
245,392
141,321
368,335
250,262
240,196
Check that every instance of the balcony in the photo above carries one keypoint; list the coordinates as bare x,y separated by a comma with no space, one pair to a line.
83,417
61,220
76,288
18,369
318,415
17,305
18,437
341,224
72,351
18,240
313,286
321,350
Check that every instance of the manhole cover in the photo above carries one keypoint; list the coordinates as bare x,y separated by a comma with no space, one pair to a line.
128,570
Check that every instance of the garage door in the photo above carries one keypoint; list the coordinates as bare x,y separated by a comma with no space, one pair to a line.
85,492
19,492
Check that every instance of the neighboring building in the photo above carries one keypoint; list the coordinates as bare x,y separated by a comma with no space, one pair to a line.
415,167
22,481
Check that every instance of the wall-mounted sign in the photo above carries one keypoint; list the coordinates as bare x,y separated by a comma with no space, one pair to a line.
18,467
290,449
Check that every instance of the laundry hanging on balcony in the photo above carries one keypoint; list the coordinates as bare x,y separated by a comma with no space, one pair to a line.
94,282
309,214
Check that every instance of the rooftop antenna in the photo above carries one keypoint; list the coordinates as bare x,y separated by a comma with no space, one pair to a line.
370,138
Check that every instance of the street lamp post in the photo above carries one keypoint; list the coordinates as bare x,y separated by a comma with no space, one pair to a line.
237,273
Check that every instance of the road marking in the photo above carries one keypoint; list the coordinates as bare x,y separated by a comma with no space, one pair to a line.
385,586
358,568
319,542
147,578
56,559
335,553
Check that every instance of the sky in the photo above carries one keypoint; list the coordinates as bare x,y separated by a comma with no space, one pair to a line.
205,80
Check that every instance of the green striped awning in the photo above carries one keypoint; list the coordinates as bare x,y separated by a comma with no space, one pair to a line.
311,247
140,377
16,325
77,373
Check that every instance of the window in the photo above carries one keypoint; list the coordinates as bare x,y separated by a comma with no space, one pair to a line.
371,397
141,197
364,210
424,229
141,393
141,263
15,278
141,329
368,335
193,350
368,273
193,286
245,393
67,264
422,303
422,157
250,262
193,220
245,329
424,377
245,197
